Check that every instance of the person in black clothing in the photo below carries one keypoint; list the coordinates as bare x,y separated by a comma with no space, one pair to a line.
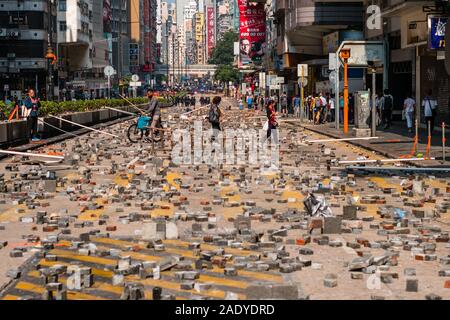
32,105
351,108
214,116
386,105
187,101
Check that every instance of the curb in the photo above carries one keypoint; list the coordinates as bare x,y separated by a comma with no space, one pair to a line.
355,143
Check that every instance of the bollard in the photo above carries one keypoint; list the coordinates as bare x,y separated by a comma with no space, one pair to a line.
427,151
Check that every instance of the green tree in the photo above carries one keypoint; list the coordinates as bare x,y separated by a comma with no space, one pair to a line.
223,52
226,73
223,57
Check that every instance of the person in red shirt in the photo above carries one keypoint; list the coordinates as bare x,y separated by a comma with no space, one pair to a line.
271,118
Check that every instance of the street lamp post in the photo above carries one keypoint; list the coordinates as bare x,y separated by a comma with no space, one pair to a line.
345,55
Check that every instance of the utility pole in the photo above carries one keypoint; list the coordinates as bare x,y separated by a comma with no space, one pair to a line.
345,55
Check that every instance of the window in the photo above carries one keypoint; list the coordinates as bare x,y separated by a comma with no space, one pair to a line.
62,5
62,26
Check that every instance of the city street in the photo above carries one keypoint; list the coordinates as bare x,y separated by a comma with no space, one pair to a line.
119,219
243,152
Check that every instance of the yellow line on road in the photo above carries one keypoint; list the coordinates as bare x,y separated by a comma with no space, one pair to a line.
71,295
71,255
218,281
170,285
10,297
95,271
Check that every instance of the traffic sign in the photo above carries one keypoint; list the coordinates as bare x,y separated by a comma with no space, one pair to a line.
135,84
305,70
332,62
304,83
135,78
109,71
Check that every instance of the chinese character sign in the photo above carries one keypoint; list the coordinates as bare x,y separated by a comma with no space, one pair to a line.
210,30
436,29
252,32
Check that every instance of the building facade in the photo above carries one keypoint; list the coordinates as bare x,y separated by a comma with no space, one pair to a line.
24,34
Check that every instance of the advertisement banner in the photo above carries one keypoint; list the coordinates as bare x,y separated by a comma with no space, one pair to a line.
252,32
210,29
436,32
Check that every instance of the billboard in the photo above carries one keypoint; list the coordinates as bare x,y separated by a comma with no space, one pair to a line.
436,32
107,16
252,32
210,29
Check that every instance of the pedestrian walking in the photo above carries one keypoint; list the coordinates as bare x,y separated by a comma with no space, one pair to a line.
249,101
296,104
386,106
283,104
351,108
214,117
272,122
323,108
32,105
341,107
409,106
430,110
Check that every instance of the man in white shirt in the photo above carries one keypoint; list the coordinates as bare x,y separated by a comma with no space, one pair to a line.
430,106
324,108
408,108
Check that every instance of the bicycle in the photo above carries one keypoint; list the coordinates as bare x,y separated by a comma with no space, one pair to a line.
140,129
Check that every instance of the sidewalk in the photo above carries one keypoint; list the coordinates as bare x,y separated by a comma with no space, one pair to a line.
393,149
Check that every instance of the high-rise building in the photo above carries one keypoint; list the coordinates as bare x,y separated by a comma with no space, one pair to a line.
224,17
189,11
24,28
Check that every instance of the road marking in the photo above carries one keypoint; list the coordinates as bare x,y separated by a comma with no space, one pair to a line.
72,255
174,286
99,285
95,271
11,297
71,295
241,284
